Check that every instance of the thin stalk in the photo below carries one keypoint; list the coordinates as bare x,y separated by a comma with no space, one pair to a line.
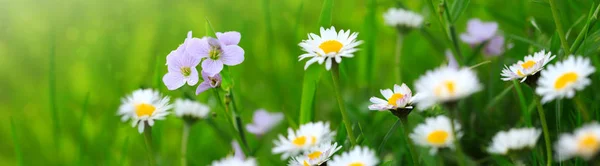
453,35
559,27
522,102
184,142
582,108
411,146
238,121
459,152
399,39
148,141
335,75
584,31
388,135
545,130
558,111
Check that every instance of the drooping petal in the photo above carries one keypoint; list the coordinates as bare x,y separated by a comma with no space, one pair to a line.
229,38
202,87
173,80
212,67
232,55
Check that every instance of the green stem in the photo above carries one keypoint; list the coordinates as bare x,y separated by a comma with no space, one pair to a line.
238,121
522,102
335,75
411,146
559,27
453,35
582,108
398,70
584,31
388,135
184,142
459,152
148,141
558,111
545,130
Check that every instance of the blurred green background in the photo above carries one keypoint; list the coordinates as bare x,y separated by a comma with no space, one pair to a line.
73,60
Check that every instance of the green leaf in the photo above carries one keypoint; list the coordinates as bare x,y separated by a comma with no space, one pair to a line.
326,12
309,88
458,7
341,135
226,82
313,73
210,30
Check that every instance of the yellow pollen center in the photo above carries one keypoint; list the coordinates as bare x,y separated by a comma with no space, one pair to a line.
356,164
565,80
528,64
144,109
299,141
305,163
437,137
519,73
313,139
314,155
448,86
331,46
589,143
393,100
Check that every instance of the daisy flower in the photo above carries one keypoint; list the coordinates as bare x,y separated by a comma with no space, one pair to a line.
233,161
436,133
185,108
316,155
222,50
263,121
330,45
584,142
445,84
209,82
306,137
529,67
181,67
479,32
564,78
358,156
144,106
401,97
514,140
397,17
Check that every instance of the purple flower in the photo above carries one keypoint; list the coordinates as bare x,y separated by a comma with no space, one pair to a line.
451,60
238,153
223,50
495,46
209,82
479,32
181,67
263,121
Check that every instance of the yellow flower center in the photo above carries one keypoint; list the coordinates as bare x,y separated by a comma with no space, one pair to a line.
214,54
448,86
331,46
589,143
519,73
186,71
565,80
528,64
305,163
144,109
300,141
437,137
314,155
394,99
356,164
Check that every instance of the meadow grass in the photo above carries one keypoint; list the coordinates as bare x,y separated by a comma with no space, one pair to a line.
67,64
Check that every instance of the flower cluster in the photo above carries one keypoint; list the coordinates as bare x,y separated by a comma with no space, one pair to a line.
479,32
213,53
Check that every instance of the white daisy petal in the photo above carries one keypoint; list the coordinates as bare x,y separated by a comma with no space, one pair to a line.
563,79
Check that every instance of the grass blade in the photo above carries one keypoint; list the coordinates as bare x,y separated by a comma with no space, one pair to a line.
458,7
366,59
81,127
16,142
313,73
